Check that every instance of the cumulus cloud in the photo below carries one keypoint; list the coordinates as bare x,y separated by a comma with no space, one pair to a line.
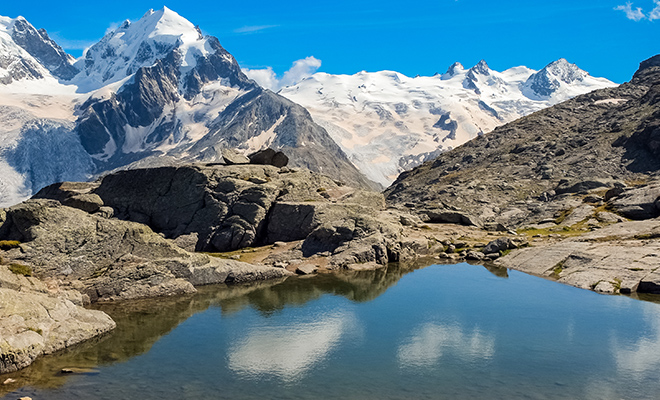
300,70
638,14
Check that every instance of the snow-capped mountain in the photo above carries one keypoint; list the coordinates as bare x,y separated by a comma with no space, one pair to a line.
153,91
387,122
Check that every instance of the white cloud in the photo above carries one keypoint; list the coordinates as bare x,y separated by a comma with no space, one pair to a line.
430,341
289,351
300,70
638,14
264,77
655,13
634,14
254,28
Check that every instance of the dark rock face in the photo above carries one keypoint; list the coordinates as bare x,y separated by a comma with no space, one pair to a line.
109,259
44,49
305,143
498,245
269,157
640,203
540,166
228,207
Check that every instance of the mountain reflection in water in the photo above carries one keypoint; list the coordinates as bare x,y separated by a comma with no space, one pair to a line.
141,323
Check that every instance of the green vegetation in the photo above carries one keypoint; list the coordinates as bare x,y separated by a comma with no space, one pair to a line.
20,269
557,270
9,244
565,231
562,215
321,189
646,236
505,252
38,330
617,284
100,272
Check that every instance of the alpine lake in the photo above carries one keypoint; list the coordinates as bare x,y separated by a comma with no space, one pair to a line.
439,332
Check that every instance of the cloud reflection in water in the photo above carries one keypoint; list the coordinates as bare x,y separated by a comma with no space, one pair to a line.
430,341
641,358
289,350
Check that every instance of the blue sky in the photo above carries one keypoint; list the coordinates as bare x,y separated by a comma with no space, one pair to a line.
605,37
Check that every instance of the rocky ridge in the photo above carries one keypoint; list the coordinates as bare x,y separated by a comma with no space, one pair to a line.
541,167
578,181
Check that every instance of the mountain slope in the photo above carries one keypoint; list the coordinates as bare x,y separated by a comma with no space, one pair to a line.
529,170
151,92
387,122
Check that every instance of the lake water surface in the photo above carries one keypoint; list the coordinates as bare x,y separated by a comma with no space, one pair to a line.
441,332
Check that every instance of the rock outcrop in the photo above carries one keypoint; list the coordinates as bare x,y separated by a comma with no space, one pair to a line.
109,259
220,208
37,319
621,258
543,167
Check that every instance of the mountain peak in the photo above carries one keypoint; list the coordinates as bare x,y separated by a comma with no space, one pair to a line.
453,70
481,68
553,76
133,45
36,47
564,71
166,25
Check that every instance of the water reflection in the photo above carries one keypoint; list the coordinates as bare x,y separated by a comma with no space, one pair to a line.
141,323
288,351
453,332
640,358
430,341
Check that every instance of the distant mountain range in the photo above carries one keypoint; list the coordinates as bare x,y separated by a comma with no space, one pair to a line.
157,91
387,122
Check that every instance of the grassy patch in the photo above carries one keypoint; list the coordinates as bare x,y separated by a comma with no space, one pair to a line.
505,252
38,330
563,214
9,244
617,284
555,230
557,270
636,182
100,272
20,269
321,189
646,236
